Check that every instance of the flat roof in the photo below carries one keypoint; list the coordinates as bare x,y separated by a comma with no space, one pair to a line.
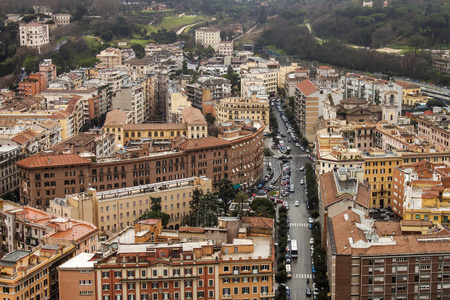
81,261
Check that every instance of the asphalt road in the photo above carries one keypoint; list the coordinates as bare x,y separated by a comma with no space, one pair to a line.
298,215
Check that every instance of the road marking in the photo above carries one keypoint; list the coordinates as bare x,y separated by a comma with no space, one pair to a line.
300,155
299,224
299,276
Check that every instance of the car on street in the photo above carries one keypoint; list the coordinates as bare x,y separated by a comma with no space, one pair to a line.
310,225
310,220
297,203
301,169
302,182
308,292
311,241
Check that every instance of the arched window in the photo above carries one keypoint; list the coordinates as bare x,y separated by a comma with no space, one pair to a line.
126,134
172,133
162,133
184,133
132,134
139,134
156,133
149,134
178,133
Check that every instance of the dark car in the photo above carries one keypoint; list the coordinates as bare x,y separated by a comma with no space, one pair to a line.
308,292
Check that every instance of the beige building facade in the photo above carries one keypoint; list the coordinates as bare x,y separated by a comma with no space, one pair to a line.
114,210
33,35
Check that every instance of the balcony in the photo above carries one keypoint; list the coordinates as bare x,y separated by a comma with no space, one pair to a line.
226,296
267,295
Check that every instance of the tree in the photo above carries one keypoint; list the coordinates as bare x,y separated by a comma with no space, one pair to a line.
226,193
416,41
156,215
80,11
155,203
185,68
138,50
263,207
240,198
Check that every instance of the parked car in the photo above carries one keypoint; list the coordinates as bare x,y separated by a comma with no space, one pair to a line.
297,203
308,292
311,241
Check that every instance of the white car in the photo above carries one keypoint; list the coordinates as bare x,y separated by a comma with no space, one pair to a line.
310,220
297,203
302,182
311,241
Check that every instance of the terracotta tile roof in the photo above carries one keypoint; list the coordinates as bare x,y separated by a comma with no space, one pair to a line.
363,197
39,160
149,221
328,188
407,85
76,232
258,222
155,126
416,223
430,194
306,87
48,124
388,228
354,101
205,142
78,140
116,117
191,229
325,68
25,136
192,115
344,228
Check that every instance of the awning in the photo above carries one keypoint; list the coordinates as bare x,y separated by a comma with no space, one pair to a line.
237,186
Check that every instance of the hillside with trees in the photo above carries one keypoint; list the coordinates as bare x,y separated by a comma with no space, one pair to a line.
378,26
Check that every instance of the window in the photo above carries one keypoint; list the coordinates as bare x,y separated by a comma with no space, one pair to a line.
105,274
188,295
245,290
106,287
226,280
130,273
236,291
210,270
226,292
118,286
130,286
200,294
211,282
226,269
210,293
200,270
255,290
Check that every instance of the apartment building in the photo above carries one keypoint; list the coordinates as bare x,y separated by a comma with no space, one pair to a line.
139,67
192,125
378,171
368,88
284,70
441,62
32,85
242,268
307,108
109,58
434,129
254,107
47,68
27,227
411,93
97,142
61,19
293,78
259,76
9,155
226,48
130,98
31,274
33,35
327,77
116,209
237,154
340,190
369,259
208,37
421,192
208,88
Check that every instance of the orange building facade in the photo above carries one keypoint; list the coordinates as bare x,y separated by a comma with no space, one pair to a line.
32,85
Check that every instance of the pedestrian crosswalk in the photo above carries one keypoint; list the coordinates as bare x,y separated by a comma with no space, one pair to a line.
299,276
299,224
300,155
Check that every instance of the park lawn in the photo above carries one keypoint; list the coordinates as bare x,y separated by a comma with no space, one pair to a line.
138,41
91,42
172,23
